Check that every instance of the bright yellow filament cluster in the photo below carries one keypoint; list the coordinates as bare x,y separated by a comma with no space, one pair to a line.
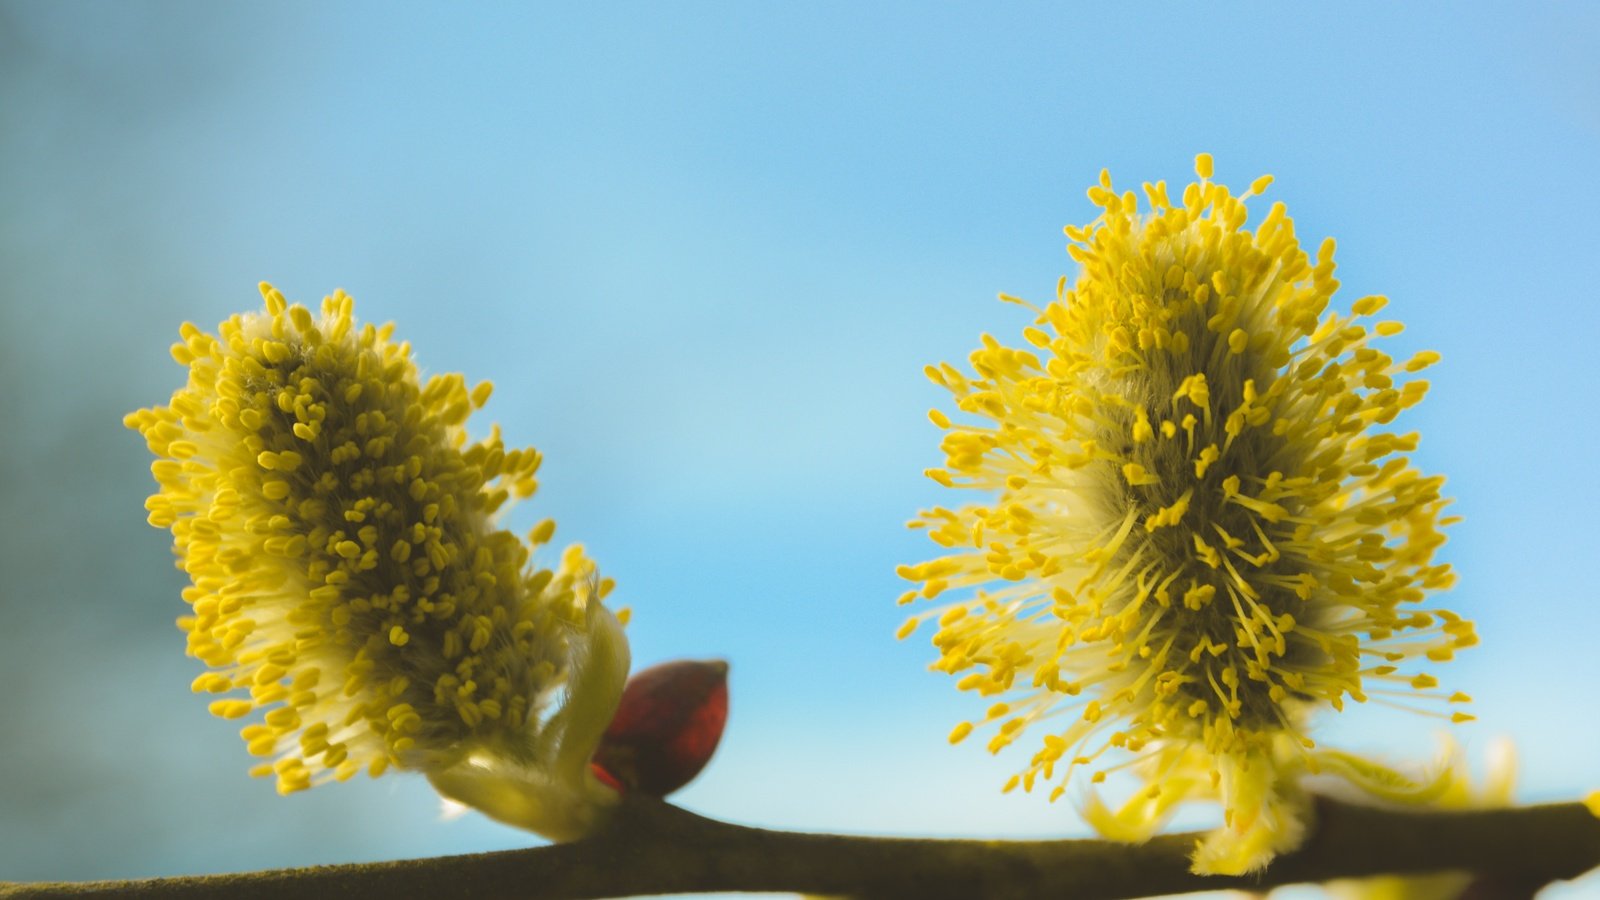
1201,530
338,529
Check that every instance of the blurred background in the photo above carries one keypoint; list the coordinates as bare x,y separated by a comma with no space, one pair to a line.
704,251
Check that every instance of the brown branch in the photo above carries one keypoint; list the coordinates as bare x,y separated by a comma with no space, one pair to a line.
654,848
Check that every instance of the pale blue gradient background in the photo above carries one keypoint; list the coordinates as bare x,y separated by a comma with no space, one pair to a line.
704,252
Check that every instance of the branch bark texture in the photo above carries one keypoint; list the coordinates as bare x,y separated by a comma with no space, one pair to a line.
655,848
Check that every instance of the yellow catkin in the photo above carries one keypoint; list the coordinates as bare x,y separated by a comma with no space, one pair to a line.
1201,589
336,522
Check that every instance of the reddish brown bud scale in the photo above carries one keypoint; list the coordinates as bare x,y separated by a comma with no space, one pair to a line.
667,726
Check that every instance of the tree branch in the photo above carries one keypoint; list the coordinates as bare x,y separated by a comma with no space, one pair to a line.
655,848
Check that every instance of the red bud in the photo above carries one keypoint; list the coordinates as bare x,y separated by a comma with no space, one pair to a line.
666,728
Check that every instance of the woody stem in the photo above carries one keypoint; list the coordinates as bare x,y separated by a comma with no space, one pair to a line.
651,847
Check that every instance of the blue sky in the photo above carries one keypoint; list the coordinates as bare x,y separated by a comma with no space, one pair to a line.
704,251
